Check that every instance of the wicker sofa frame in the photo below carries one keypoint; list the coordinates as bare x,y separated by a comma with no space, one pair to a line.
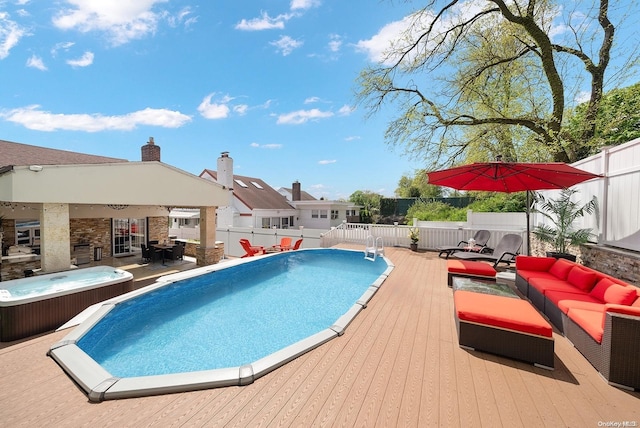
537,350
616,358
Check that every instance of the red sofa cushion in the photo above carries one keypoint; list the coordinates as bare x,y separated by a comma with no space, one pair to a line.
565,300
528,274
501,312
622,309
590,321
543,285
600,287
619,294
470,267
560,269
582,278
530,263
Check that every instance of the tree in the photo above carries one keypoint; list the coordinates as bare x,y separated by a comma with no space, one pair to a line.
617,122
417,187
367,199
464,73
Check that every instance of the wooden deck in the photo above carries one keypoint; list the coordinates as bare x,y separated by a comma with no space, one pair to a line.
398,364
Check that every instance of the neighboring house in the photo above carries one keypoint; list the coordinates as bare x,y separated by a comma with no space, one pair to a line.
58,204
256,204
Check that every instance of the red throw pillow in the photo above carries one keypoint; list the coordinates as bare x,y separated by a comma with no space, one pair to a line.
561,268
620,295
601,287
581,278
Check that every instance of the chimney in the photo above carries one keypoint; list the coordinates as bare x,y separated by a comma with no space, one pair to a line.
296,194
225,170
150,152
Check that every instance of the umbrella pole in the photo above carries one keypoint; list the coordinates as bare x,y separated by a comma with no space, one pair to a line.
528,225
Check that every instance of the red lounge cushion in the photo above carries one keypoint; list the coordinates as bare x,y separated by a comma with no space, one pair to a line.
561,268
528,274
582,278
543,285
590,321
501,312
567,305
619,294
470,267
565,300
534,263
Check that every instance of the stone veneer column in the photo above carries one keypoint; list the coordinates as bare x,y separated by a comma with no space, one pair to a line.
55,244
208,252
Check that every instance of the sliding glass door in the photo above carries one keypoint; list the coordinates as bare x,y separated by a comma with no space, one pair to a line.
128,235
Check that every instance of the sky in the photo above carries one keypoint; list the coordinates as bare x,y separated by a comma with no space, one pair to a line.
270,81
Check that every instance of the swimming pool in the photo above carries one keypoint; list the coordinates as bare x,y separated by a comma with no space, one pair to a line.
222,325
37,304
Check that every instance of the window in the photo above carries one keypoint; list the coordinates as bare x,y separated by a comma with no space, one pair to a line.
323,214
240,183
257,185
315,214
334,214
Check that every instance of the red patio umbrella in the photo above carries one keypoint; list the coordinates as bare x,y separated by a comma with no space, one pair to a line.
510,177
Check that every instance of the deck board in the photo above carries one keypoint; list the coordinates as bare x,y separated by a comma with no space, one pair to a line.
397,364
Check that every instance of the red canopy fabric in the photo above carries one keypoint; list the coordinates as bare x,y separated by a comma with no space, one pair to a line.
510,176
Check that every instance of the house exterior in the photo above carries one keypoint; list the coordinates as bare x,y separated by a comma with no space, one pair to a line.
56,205
256,204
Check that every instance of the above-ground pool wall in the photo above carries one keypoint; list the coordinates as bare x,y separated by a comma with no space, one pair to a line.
28,319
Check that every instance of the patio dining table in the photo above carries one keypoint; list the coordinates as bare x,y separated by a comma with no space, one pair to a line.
162,248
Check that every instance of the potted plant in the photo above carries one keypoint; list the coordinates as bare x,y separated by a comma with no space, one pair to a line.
562,213
414,235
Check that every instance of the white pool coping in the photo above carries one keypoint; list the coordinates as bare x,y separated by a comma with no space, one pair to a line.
100,385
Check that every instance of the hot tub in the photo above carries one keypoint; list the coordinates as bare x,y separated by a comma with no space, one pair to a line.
37,304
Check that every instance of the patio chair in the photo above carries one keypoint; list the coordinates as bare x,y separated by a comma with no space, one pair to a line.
250,250
149,254
175,253
285,245
481,237
505,251
296,246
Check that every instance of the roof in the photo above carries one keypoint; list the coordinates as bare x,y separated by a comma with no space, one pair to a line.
23,155
255,194
304,196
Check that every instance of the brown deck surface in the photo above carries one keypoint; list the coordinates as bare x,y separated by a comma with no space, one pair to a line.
398,364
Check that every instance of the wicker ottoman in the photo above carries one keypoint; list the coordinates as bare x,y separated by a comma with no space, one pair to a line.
503,326
469,269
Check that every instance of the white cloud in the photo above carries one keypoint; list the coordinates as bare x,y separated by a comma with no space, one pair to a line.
241,109
582,97
335,42
10,34
216,110
327,162
32,117
304,4
36,62
286,45
184,16
312,100
266,146
264,22
302,116
61,46
377,46
122,21
352,138
346,110
84,61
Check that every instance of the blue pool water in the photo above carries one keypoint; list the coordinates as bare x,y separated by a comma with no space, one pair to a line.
230,317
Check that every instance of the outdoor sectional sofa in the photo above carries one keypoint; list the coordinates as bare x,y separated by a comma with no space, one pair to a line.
598,313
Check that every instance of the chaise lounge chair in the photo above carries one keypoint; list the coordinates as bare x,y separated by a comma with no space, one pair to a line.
505,251
481,237
250,250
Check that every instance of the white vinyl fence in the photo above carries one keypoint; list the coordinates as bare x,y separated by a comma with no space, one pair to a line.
618,194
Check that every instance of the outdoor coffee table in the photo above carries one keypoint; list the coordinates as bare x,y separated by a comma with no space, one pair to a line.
485,287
